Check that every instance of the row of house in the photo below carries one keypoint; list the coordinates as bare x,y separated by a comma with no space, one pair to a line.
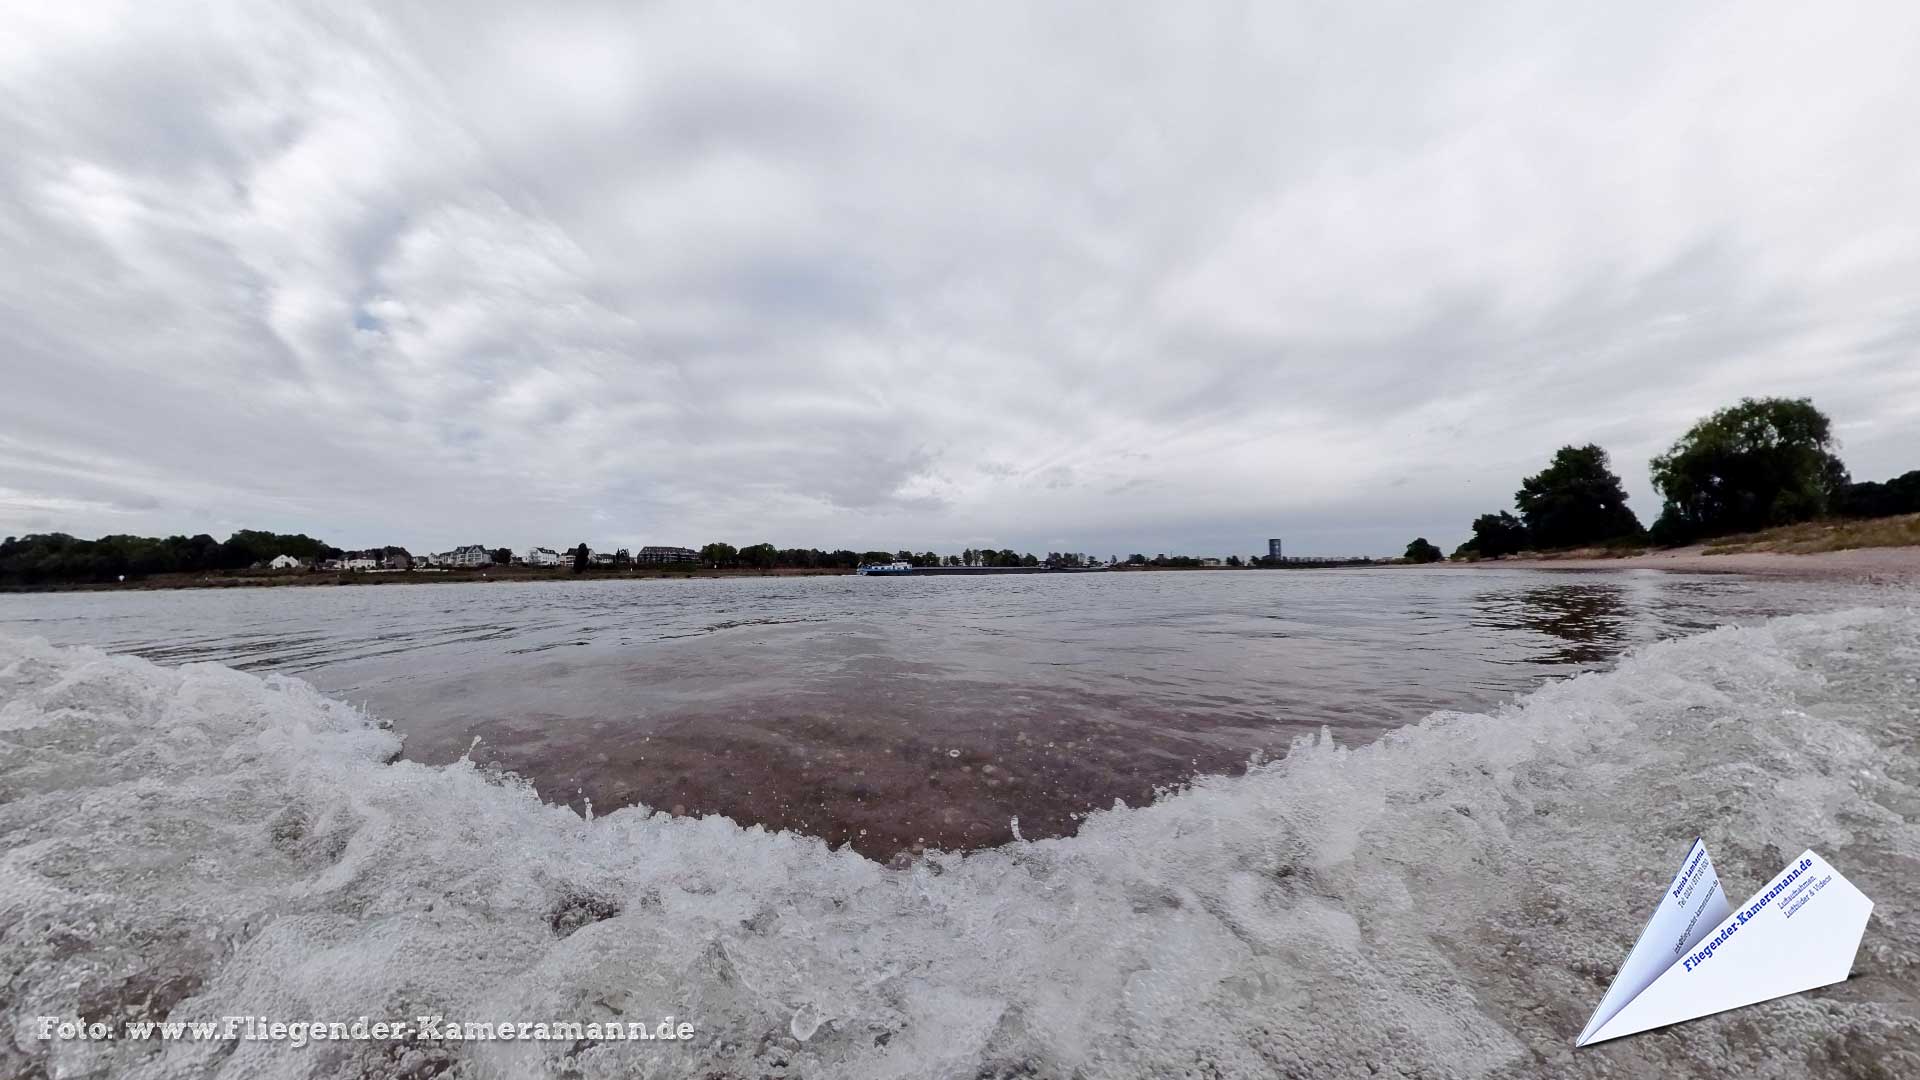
476,555
353,560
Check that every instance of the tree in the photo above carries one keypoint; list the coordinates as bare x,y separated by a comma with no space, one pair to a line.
1575,500
1495,535
248,546
1420,551
58,557
1870,498
718,555
581,556
1765,461
503,557
1233,560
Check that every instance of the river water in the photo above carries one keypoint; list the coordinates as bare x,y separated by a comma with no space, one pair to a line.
888,712
1501,771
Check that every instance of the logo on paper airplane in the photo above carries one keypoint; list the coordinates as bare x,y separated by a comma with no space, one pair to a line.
1699,956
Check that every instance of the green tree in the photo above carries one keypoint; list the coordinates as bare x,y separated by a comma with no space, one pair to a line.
582,556
248,546
718,554
1420,551
1765,461
1575,500
1495,535
1870,498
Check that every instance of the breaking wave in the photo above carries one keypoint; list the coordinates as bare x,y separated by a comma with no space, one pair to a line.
197,842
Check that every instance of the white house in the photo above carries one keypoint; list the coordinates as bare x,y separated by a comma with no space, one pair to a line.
469,555
284,562
542,557
360,560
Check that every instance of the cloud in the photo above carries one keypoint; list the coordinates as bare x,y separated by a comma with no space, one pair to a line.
1084,276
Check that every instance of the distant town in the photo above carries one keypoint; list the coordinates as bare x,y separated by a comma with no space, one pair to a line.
253,556
474,556
766,557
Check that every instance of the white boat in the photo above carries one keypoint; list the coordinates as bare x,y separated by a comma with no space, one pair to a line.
885,568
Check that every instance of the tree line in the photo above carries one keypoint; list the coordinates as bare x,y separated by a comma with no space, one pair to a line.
51,558
1758,464
58,557
767,557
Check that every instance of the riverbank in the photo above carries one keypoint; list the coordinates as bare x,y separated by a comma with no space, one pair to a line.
259,579
1854,564
1870,549
1798,551
256,579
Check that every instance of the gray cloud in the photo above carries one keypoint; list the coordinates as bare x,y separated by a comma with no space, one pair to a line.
1084,276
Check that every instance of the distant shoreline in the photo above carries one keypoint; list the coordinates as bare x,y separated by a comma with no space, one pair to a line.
1893,564
357,578
272,579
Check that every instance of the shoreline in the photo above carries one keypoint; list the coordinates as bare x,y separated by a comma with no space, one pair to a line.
1892,564
276,579
357,578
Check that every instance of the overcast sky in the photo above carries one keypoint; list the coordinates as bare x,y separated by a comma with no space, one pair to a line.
1098,277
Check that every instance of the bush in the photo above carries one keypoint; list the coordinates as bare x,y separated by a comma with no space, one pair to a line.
1494,535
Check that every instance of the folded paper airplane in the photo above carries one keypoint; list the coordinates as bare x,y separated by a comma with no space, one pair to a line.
1698,956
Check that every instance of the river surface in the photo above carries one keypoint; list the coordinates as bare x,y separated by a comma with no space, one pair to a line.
891,713
1413,892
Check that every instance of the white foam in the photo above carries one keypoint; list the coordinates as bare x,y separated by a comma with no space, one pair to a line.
198,842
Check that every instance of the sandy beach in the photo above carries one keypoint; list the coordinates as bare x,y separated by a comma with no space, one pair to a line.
1855,564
